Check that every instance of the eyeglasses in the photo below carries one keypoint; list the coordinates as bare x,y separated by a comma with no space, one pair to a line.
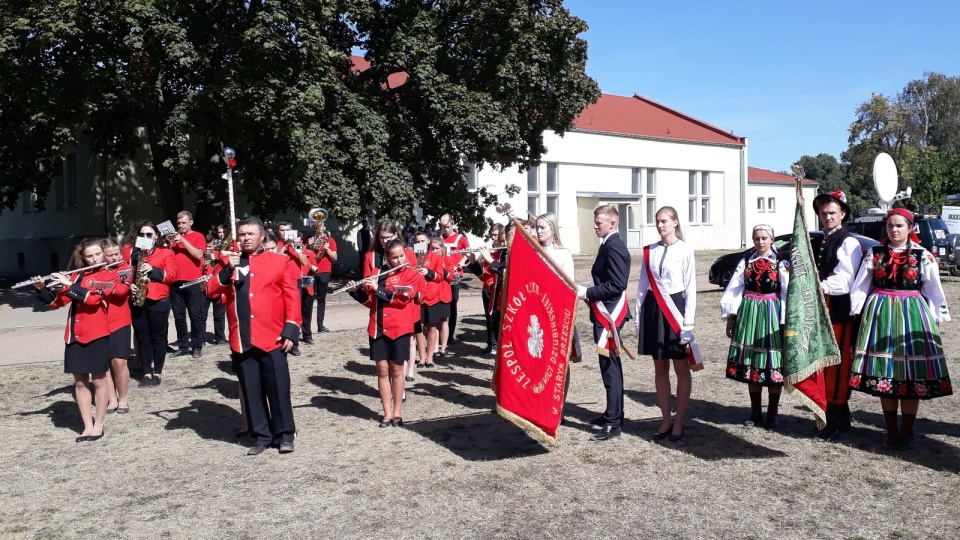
146,235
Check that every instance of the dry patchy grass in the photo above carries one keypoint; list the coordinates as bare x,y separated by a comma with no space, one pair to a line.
172,468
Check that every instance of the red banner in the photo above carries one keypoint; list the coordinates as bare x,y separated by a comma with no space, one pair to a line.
539,313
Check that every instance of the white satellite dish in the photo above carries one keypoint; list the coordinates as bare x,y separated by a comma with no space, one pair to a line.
885,178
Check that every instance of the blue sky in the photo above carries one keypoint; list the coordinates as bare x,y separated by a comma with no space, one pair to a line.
788,75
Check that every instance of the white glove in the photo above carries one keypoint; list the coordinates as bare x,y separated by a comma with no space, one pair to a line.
686,336
581,292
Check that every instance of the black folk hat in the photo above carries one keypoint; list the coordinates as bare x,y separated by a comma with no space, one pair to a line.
837,196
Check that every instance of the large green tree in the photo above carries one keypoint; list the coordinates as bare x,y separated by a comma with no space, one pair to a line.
442,81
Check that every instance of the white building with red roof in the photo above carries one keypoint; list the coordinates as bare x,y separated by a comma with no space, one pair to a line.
641,155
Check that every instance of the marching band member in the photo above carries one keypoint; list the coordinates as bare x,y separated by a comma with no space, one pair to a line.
610,273
899,354
837,259
210,267
435,304
753,306
325,253
480,265
87,335
119,323
453,241
188,247
263,309
150,321
391,327
305,261
667,292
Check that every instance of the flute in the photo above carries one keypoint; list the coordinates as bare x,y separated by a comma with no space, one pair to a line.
198,281
70,273
476,249
359,283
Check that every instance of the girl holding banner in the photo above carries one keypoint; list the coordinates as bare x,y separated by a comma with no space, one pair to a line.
548,235
753,305
665,308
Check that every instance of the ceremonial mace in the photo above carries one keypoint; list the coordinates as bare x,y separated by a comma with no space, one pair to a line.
228,156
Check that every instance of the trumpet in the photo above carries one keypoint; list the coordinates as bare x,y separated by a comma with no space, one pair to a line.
359,283
49,277
476,249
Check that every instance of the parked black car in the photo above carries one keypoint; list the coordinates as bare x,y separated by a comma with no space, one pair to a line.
723,267
931,230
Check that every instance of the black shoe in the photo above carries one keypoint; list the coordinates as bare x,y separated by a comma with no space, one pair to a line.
155,381
307,341
146,382
397,422
286,447
243,433
658,436
256,450
598,421
408,378
891,442
221,342
755,420
171,348
675,438
828,433
82,438
385,423
197,353
905,443
123,410
324,329
451,341
91,438
295,351
179,353
773,421
113,410
843,420
606,433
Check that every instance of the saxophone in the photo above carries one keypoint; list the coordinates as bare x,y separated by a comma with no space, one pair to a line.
142,281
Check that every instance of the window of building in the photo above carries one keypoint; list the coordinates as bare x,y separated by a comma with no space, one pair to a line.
698,202
761,207
771,204
636,177
470,172
533,191
553,189
650,196
26,201
71,180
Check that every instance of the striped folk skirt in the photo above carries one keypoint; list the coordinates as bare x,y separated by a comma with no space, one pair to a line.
756,349
899,354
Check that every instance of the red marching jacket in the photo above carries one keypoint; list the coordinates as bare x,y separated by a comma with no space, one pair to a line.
324,264
118,303
389,311
263,300
437,279
374,261
87,321
163,274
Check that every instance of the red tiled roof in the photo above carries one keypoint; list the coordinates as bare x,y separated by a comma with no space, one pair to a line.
393,81
769,177
643,117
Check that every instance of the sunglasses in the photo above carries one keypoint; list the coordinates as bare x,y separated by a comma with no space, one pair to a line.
146,235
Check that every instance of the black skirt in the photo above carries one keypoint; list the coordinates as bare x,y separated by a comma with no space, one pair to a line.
434,314
120,343
395,350
93,357
657,338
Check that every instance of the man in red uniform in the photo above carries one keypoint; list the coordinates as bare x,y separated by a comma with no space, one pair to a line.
307,264
263,309
188,248
454,241
326,255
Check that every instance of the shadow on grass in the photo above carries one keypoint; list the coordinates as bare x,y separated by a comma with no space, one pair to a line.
62,390
455,396
453,377
225,366
344,385
63,414
341,406
868,434
228,388
478,437
208,419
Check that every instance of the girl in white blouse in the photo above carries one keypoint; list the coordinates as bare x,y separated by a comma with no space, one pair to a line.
672,260
548,235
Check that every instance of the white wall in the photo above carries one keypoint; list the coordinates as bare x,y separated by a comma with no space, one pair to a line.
785,204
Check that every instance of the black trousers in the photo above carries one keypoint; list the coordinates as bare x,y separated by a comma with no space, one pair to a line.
306,311
184,302
150,330
611,372
452,321
219,317
320,286
265,379
488,317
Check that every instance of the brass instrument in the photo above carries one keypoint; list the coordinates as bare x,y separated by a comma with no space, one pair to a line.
320,236
143,279
49,277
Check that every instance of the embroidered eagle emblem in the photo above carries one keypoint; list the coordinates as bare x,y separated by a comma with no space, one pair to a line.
535,339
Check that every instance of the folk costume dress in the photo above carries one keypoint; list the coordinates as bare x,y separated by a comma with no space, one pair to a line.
756,294
899,354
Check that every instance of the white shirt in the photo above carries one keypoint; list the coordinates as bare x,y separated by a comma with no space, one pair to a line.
849,256
675,266
930,287
733,294
563,257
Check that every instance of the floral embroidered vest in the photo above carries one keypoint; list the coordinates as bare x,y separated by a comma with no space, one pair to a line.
762,276
897,269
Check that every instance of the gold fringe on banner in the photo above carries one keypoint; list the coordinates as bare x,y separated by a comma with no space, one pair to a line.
537,433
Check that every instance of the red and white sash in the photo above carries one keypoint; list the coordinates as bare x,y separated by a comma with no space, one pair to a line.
670,311
609,338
